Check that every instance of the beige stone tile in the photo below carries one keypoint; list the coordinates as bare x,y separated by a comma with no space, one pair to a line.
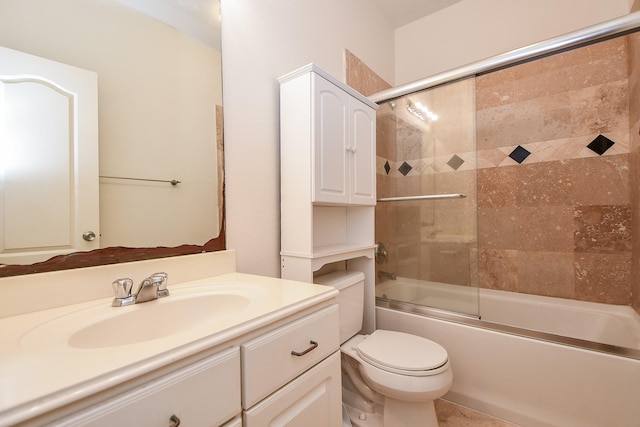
546,273
544,184
490,158
361,77
498,269
497,228
600,109
601,180
633,44
497,187
602,229
564,72
452,415
385,135
539,119
604,278
544,228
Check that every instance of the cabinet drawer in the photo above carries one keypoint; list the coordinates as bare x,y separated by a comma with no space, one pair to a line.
206,393
313,399
269,362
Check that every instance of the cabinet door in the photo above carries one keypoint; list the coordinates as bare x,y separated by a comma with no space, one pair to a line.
362,150
330,138
312,399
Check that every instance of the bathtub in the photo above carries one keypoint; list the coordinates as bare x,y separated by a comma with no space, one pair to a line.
531,379
581,320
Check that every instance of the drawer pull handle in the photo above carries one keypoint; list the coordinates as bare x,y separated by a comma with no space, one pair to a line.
311,347
175,421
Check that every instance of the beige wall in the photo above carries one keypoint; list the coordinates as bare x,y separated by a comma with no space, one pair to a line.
472,30
261,41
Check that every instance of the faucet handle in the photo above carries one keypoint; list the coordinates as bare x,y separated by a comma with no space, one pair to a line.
122,287
122,290
161,280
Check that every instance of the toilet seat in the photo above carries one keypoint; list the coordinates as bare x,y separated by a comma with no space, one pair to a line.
401,353
424,375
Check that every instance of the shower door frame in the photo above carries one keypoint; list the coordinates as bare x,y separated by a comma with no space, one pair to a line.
596,33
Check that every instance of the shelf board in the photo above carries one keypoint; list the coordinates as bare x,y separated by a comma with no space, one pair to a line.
334,250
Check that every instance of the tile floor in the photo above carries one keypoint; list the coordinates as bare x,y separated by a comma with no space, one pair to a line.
452,415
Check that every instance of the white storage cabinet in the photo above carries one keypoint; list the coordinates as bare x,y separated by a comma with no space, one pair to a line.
327,178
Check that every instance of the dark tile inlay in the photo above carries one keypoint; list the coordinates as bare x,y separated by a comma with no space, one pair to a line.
405,168
519,154
455,162
387,168
600,144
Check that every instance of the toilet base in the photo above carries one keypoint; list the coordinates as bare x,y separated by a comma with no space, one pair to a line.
362,412
398,413
394,413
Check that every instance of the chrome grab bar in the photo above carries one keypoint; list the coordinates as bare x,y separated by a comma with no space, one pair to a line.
424,197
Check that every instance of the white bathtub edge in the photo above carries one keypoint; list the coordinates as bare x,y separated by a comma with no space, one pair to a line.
527,381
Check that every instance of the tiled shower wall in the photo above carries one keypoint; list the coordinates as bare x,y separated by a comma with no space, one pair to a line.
554,210
558,149
634,139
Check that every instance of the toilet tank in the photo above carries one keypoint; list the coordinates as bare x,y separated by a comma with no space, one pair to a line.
350,284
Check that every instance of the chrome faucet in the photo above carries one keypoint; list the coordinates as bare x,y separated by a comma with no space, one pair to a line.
386,275
153,287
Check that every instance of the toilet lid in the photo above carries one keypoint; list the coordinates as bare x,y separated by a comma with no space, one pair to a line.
397,351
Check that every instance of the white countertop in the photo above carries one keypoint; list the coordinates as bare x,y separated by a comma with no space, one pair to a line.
37,377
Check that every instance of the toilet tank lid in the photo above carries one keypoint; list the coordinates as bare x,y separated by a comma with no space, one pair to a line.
340,279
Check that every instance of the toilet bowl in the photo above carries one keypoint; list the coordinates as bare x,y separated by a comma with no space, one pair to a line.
408,372
392,377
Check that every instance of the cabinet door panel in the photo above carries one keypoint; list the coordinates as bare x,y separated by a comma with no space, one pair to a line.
331,139
313,399
363,153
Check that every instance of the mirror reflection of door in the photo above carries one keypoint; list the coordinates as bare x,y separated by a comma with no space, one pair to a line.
48,159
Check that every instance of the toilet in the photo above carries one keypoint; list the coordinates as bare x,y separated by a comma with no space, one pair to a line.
390,379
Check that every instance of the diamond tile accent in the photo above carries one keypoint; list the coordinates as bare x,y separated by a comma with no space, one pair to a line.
455,162
405,168
387,167
519,154
600,144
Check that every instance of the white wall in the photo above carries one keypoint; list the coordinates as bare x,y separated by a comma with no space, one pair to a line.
262,40
472,30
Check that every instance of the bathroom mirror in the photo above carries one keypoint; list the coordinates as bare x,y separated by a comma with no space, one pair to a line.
158,66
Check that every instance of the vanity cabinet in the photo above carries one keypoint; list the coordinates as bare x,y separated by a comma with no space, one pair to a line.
205,393
327,178
287,374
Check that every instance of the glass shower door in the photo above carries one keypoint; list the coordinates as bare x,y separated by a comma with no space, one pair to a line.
426,223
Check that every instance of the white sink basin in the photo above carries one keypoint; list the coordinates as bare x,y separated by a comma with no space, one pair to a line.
185,310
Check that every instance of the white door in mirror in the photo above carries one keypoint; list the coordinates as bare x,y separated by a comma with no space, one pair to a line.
48,158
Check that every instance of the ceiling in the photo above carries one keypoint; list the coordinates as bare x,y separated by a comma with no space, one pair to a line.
402,12
201,18
198,18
